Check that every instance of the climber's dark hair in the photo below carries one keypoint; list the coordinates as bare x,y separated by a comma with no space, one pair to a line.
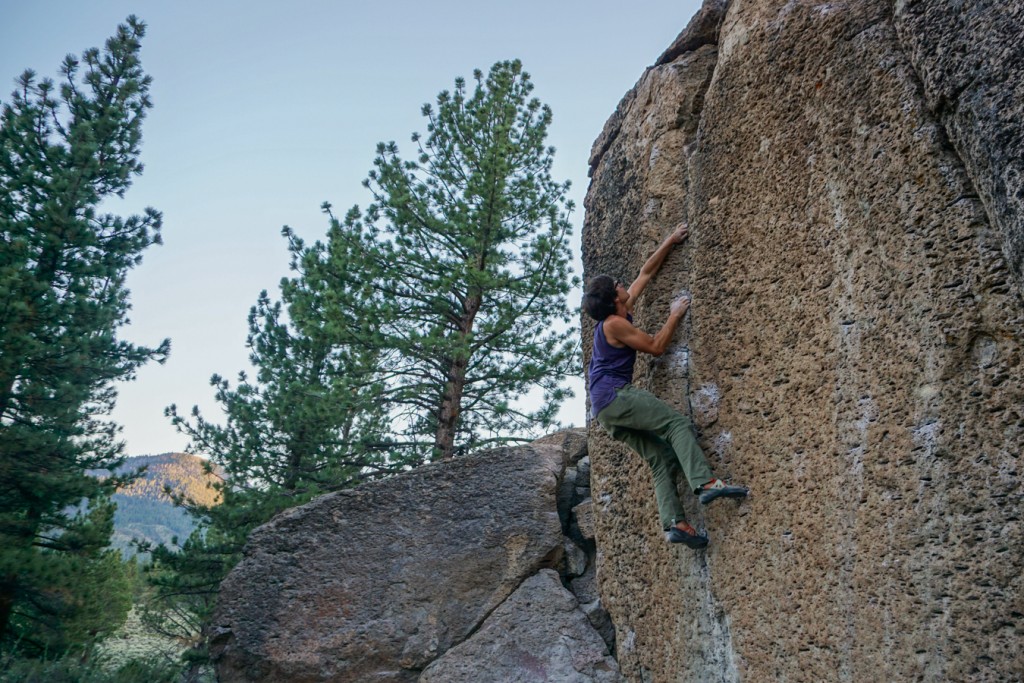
599,298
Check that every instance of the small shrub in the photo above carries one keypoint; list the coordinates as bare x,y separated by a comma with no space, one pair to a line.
73,670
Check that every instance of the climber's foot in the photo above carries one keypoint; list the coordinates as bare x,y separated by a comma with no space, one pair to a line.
687,535
716,488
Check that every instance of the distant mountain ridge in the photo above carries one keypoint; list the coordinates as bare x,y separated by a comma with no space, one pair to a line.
145,511
182,472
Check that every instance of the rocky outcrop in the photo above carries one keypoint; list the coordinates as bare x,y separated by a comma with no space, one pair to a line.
380,582
851,175
538,634
969,58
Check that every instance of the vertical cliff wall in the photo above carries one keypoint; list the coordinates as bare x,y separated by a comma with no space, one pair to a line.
851,172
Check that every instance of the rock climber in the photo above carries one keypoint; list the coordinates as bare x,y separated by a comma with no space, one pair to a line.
637,418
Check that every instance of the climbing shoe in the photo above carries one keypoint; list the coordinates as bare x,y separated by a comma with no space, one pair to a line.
717,488
688,537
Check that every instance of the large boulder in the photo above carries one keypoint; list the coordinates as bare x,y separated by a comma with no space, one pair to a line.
851,175
377,582
538,634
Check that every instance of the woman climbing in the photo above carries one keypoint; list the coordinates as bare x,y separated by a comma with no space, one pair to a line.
637,418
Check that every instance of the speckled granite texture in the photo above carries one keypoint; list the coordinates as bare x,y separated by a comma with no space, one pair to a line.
850,172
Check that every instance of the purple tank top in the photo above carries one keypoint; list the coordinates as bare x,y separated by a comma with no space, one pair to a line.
610,368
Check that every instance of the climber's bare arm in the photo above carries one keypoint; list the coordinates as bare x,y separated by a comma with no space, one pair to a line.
620,332
653,264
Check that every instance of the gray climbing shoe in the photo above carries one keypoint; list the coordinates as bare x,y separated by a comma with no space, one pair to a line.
690,538
719,489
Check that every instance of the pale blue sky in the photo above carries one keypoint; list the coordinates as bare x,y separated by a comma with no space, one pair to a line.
264,110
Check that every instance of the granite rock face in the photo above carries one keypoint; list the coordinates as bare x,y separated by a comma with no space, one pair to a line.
854,352
378,582
970,59
538,634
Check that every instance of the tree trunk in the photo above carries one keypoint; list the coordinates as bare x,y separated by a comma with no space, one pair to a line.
6,602
451,402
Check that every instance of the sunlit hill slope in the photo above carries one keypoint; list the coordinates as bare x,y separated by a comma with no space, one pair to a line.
145,509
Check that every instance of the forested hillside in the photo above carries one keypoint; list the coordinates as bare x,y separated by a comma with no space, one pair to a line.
145,509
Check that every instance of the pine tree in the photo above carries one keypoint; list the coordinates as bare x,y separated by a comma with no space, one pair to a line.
62,299
310,421
467,268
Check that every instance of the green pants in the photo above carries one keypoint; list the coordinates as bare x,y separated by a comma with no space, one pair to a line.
664,438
